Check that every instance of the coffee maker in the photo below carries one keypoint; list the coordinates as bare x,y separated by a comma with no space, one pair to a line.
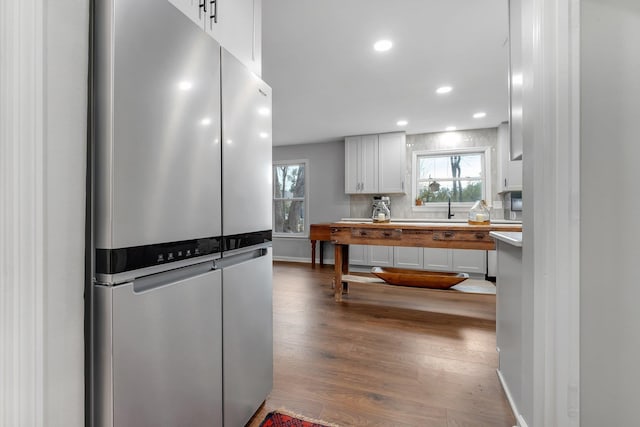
381,211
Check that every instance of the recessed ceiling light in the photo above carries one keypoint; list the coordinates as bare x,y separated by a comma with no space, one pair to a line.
402,122
185,85
450,128
263,135
264,111
479,115
444,89
382,45
205,122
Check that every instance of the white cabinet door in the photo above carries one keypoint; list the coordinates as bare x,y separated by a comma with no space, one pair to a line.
236,25
469,261
361,164
369,164
351,153
194,9
509,171
381,256
392,162
358,255
437,259
514,175
405,257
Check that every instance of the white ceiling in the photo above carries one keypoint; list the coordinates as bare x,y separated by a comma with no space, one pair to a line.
328,82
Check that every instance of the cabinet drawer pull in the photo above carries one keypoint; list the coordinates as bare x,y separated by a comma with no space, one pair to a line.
363,233
449,234
202,7
480,236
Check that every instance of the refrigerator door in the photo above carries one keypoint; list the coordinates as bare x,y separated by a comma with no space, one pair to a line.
246,149
157,126
158,350
247,334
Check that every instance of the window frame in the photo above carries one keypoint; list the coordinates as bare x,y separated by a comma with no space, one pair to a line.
305,233
459,206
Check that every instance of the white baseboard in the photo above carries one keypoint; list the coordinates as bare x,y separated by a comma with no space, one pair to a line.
292,259
514,407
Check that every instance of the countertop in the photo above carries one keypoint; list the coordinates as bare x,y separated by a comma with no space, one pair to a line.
511,237
429,220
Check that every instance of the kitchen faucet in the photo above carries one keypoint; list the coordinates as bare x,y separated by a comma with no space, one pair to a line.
449,214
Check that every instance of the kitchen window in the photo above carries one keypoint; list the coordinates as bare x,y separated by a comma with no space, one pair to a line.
457,175
290,198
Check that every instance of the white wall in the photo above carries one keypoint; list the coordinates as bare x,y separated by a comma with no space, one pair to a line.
610,153
327,199
43,116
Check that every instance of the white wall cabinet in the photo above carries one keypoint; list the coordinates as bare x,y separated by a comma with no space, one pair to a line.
361,163
392,161
375,163
235,24
509,171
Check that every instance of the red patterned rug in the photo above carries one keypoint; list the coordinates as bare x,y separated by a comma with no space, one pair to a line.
279,419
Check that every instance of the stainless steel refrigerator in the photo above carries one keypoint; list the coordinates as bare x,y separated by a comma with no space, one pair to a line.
181,317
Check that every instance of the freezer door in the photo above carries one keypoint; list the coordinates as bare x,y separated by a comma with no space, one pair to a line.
247,335
246,149
157,126
158,352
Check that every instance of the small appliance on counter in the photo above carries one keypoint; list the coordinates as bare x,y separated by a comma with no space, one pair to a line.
381,211
479,213
513,205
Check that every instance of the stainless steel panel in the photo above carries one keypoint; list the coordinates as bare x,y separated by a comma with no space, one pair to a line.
157,86
247,337
127,276
102,358
246,149
165,347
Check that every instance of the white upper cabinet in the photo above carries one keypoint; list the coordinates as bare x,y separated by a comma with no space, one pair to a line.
509,171
194,9
392,162
235,24
361,163
375,163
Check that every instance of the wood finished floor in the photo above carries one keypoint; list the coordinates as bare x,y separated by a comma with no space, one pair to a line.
386,356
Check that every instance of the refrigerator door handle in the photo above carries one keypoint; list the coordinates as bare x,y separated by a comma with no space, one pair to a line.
170,278
240,257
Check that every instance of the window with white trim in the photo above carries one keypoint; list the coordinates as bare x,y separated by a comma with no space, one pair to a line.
290,198
456,175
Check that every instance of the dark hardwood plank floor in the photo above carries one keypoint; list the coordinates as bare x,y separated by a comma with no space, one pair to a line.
386,356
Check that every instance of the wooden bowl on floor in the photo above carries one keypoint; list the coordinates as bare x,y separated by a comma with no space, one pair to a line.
419,278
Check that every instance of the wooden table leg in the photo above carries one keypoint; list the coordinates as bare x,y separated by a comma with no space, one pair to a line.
313,253
321,253
345,267
341,267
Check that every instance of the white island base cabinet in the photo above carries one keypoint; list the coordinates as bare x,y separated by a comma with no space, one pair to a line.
432,259
368,255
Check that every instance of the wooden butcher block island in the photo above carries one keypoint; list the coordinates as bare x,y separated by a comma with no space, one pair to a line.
427,235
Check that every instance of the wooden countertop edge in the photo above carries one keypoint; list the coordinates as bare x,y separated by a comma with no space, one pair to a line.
429,226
